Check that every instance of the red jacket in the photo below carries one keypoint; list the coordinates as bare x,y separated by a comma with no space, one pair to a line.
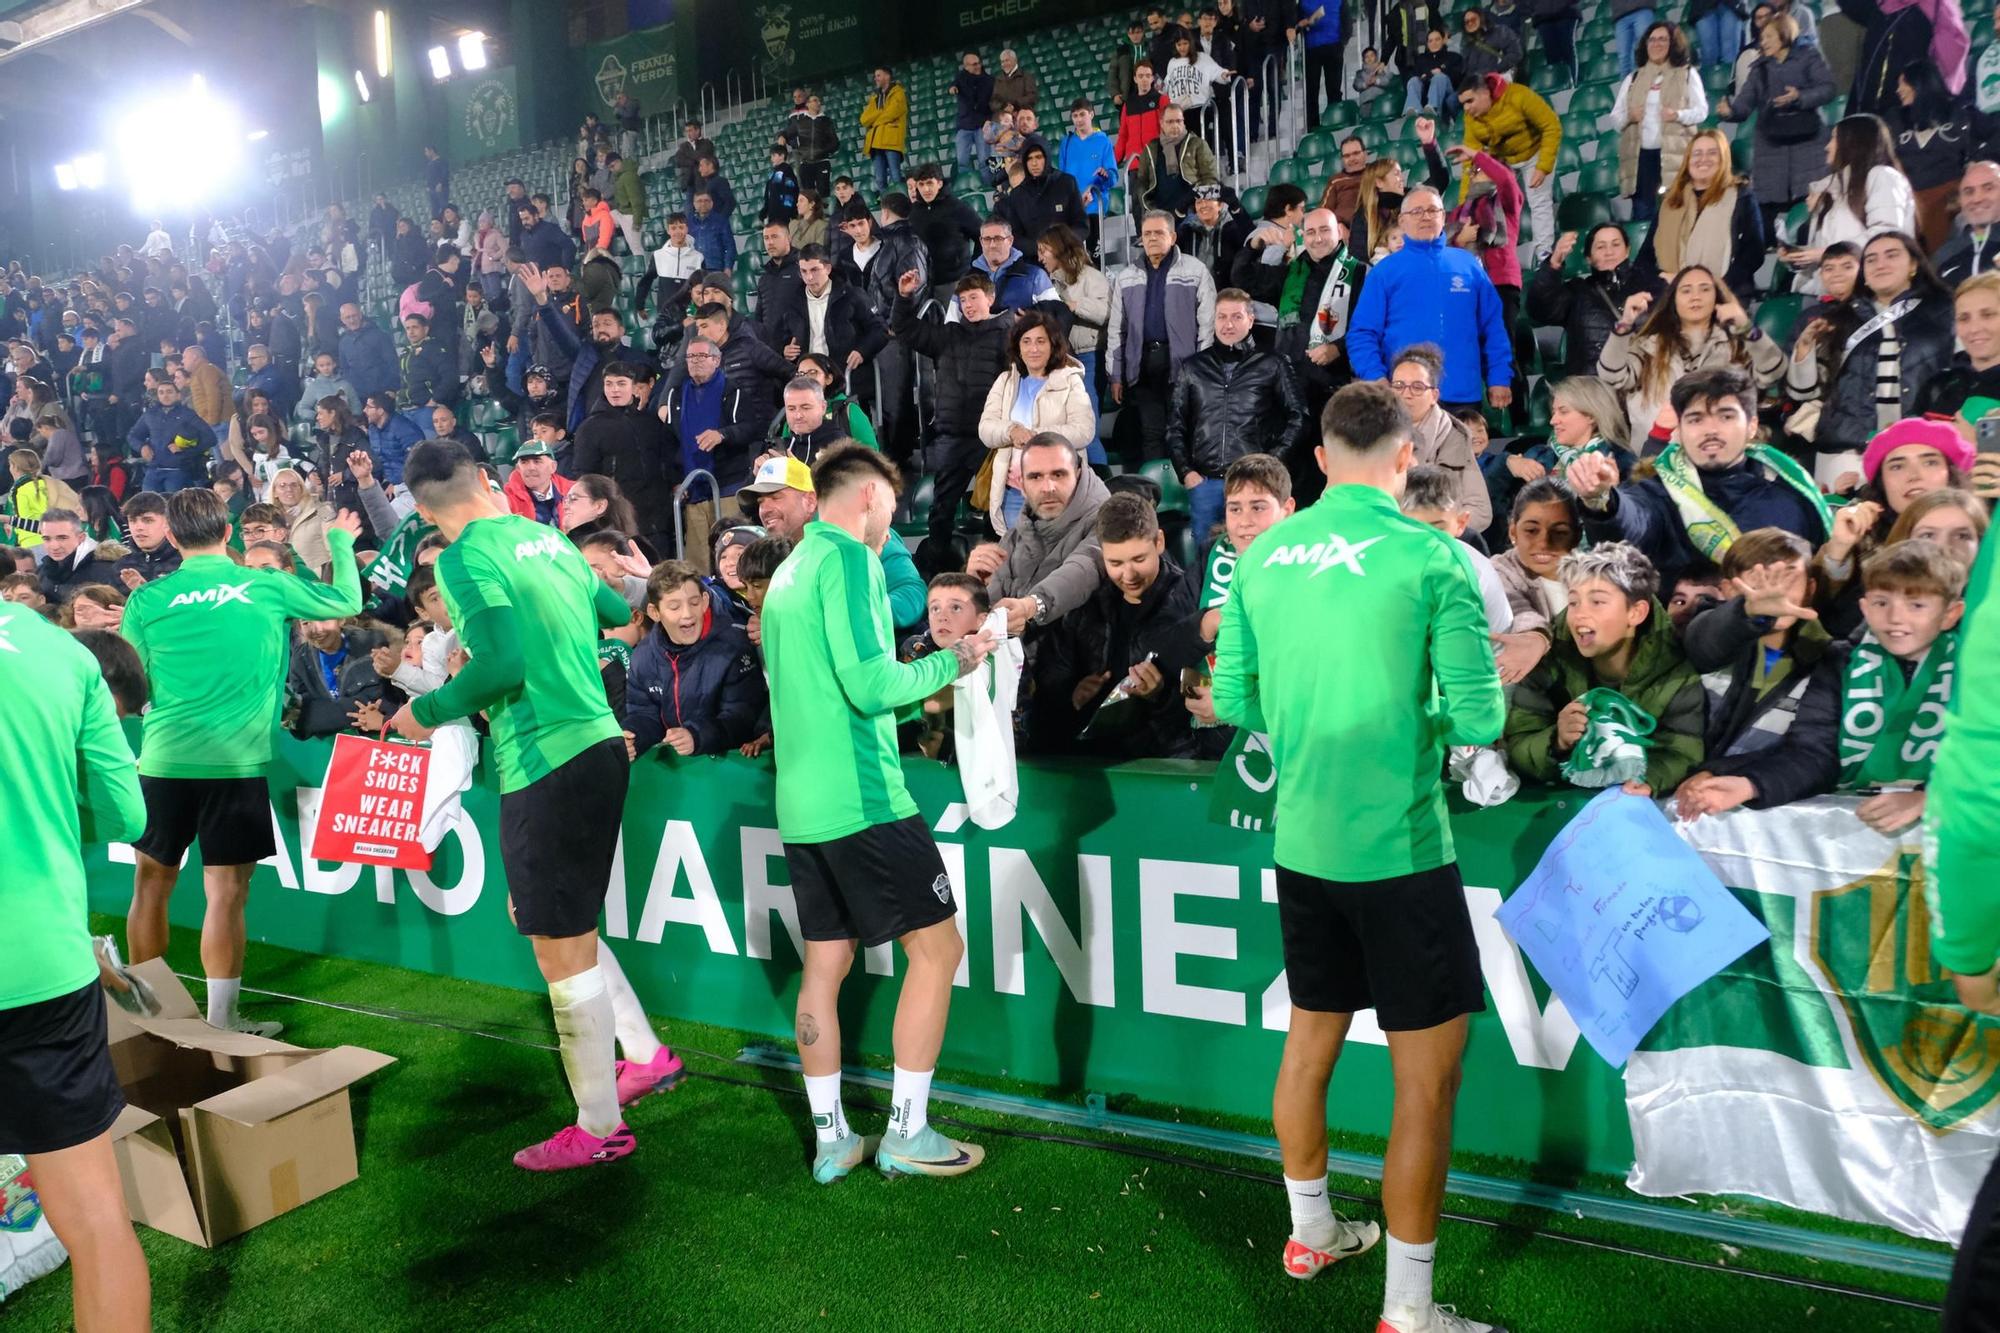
597,227
1138,126
522,503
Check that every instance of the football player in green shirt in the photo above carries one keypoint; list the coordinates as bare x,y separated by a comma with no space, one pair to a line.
527,607
74,783
863,866
215,639
1354,637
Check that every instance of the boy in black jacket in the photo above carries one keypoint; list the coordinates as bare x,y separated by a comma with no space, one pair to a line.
1772,679
695,685
781,189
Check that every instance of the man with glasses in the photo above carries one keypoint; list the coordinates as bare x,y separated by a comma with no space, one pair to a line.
1439,440
712,426
1433,292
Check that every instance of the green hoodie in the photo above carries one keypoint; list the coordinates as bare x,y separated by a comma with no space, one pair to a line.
1660,681
628,195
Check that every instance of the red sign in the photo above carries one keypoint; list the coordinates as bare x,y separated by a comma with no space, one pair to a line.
371,806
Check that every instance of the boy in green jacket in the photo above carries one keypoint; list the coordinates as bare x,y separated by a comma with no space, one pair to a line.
1615,637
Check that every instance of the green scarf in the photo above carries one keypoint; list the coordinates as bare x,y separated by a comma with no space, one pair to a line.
1614,744
1565,454
390,569
1293,297
1878,705
1711,531
1216,577
1244,792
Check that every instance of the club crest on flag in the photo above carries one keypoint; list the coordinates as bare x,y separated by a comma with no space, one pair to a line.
1871,938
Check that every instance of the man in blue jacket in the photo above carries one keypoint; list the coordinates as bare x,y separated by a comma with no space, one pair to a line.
367,353
709,230
973,88
391,436
1433,292
175,443
1322,25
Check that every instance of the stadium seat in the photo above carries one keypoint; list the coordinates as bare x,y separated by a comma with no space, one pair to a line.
1173,495
1581,211
1252,200
1778,316
1288,171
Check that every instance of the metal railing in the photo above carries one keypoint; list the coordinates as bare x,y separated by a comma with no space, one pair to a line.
680,514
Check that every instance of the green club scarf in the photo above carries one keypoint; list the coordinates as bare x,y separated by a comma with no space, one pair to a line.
1216,577
1244,792
390,570
1711,531
1889,727
1614,744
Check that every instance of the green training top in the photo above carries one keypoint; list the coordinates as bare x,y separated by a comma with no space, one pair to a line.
1343,626
1962,810
73,782
835,686
527,607
213,638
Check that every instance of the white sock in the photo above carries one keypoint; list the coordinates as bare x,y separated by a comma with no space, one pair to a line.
909,1102
829,1116
636,1037
222,996
1312,1212
1409,1285
584,1026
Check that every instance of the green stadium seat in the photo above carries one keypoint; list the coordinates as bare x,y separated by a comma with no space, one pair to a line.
1173,495
1581,211
502,442
1319,144
1252,200
1778,316
1541,401
1289,171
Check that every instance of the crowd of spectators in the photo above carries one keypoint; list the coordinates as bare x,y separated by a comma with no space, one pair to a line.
1744,485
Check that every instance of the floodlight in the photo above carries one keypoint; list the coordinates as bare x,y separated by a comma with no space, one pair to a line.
440,63
381,43
472,51
65,176
361,85
90,171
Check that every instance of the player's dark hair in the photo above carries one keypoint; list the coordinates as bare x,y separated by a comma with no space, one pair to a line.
196,518
1364,417
438,472
845,462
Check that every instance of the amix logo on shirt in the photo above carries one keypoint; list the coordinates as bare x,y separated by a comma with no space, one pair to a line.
548,546
228,592
1335,550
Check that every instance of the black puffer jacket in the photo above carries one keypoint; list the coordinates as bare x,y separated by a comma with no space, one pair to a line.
1585,308
1232,401
969,358
1848,418
1081,645
1040,202
632,447
949,229
851,324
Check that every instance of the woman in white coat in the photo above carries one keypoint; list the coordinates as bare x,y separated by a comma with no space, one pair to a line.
1865,193
1042,389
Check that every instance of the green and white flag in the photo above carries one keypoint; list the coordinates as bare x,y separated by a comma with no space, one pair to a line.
390,570
1831,1069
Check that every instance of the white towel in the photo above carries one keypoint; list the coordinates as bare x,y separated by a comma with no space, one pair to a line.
982,720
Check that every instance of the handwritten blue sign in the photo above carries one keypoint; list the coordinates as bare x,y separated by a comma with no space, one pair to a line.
1622,918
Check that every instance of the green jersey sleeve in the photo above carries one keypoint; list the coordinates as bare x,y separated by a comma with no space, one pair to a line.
107,791
1235,677
1962,810
1475,707
864,660
612,611
307,600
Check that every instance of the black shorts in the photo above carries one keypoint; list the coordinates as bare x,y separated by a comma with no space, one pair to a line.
874,886
1402,947
57,1087
558,838
231,817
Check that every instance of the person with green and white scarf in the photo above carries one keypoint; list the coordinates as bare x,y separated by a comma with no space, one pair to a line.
1615,701
1896,682
1712,484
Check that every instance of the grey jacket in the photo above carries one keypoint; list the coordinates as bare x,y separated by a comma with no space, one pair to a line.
1190,314
1055,559
1526,597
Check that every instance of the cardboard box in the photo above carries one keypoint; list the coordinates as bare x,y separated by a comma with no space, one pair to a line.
222,1130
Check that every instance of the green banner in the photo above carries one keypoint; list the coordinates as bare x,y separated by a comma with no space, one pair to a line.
642,63
483,115
805,39
1109,923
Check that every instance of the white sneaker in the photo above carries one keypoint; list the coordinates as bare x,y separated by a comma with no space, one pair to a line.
252,1028
1436,1319
1350,1239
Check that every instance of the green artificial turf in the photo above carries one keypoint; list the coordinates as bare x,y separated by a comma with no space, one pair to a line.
714,1222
